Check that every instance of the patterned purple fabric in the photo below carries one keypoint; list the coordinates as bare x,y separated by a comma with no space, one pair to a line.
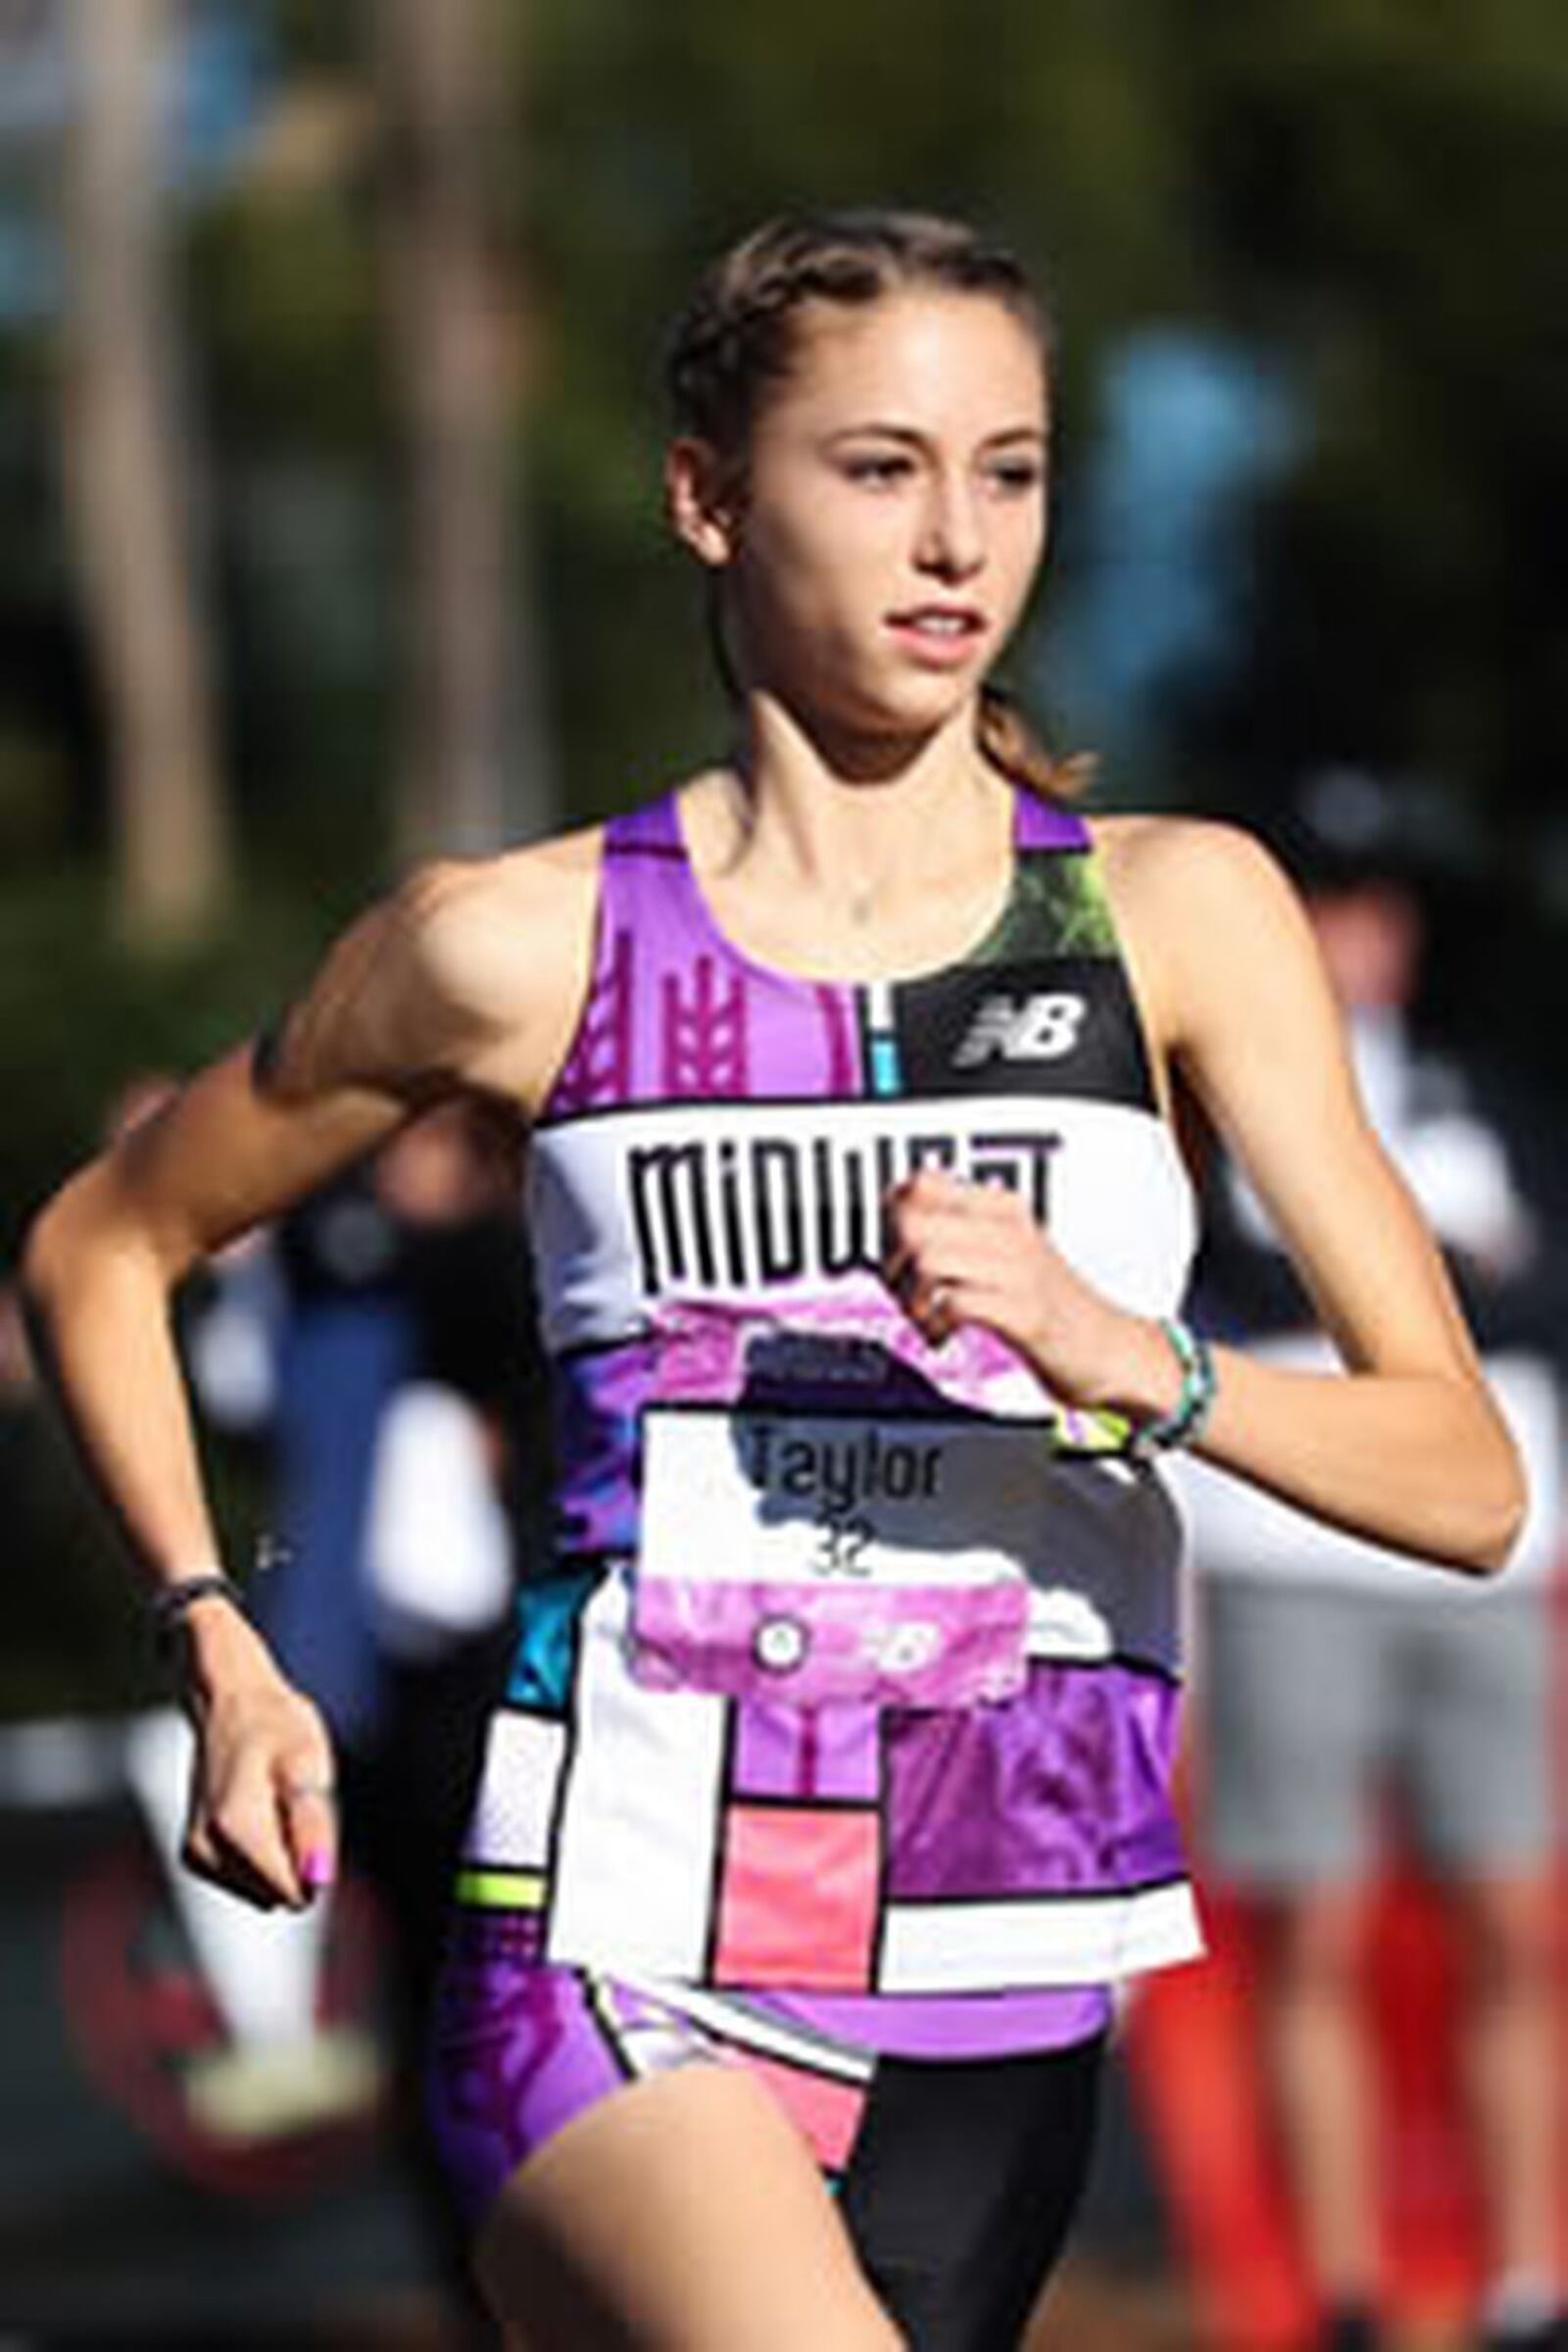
514,2056
807,1752
1080,1775
520,2048
703,1022
968,2025
1061,1790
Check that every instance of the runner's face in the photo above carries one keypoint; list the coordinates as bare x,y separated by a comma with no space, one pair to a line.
892,513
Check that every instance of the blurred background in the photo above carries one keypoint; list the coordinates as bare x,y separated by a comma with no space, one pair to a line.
331,536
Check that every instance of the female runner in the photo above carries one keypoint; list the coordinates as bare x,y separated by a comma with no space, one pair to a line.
829,1794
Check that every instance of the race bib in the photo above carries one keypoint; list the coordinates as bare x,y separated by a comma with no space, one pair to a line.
831,1557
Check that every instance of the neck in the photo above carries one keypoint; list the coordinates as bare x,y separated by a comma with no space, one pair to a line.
860,822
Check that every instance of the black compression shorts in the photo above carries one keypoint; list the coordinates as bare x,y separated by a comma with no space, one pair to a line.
961,2186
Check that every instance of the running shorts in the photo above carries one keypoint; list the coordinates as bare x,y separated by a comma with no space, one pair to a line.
958,2179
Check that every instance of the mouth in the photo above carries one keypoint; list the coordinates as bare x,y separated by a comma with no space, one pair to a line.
945,632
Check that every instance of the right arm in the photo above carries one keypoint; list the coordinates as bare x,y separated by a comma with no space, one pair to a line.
101,1267
428,995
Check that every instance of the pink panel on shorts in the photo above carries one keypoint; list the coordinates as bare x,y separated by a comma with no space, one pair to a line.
826,2112
798,1899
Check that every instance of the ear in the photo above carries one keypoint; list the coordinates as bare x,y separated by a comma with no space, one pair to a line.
702,500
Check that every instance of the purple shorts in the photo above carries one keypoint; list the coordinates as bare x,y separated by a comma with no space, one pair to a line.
521,2047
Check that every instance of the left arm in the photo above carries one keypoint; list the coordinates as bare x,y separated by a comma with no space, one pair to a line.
1407,1447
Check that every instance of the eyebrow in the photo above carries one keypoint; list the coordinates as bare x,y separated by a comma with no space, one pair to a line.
1034,434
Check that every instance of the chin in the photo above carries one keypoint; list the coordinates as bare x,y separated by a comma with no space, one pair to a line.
876,750
880,722
915,706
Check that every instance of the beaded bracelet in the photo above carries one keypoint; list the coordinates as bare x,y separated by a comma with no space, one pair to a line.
1188,1417
168,1608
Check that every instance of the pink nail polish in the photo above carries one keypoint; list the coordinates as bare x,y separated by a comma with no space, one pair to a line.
315,1869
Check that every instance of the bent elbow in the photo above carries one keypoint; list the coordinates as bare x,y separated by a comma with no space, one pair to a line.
46,1253
1494,1555
71,1238
1498,1510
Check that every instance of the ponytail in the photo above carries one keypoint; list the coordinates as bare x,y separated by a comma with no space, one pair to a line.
1011,743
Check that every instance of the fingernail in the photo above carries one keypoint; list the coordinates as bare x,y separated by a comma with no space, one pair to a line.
315,1869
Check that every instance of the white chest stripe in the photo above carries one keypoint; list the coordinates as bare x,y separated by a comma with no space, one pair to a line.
721,1201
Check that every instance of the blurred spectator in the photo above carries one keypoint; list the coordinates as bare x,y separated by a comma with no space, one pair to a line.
1335,1675
408,1454
260,1972
399,1318
380,1340
280,2069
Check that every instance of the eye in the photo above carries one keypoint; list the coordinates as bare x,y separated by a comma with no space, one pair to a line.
879,469
1016,477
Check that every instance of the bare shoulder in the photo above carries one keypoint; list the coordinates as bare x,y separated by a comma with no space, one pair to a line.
468,973
1206,913
486,935
1150,861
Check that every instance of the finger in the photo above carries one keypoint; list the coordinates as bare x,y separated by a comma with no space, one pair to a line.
930,1187
948,1236
207,1853
913,1242
910,1207
941,1313
901,1272
246,1830
206,1857
308,1806
907,1278
934,1302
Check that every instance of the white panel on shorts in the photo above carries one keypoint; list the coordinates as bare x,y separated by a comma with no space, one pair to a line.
638,1836
510,1829
1064,1939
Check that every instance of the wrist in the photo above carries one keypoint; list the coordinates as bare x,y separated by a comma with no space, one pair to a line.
1184,1422
1144,1384
211,1645
179,1597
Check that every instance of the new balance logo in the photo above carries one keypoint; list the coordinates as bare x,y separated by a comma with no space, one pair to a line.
1027,1029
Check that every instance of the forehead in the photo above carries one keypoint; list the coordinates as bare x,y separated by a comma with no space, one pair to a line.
929,361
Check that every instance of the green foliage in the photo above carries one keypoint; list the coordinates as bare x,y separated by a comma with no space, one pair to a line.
286,314
315,39
80,1016
70,1630
1367,188
81,1019
1383,183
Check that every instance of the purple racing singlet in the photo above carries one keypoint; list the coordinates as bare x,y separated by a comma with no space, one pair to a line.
847,1705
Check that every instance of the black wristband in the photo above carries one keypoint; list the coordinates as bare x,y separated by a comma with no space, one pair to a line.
167,1609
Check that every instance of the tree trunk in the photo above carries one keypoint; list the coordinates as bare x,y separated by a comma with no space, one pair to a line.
474,762
127,475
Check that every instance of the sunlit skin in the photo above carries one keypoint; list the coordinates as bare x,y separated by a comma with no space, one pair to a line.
873,555
897,478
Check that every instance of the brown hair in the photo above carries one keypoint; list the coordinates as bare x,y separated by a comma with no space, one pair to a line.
737,338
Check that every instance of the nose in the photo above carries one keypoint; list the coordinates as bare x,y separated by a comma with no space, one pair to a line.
951,529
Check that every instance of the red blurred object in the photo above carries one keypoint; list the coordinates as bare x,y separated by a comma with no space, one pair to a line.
137,2012
1190,2042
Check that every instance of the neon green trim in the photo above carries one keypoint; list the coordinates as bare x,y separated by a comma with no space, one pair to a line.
502,1890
